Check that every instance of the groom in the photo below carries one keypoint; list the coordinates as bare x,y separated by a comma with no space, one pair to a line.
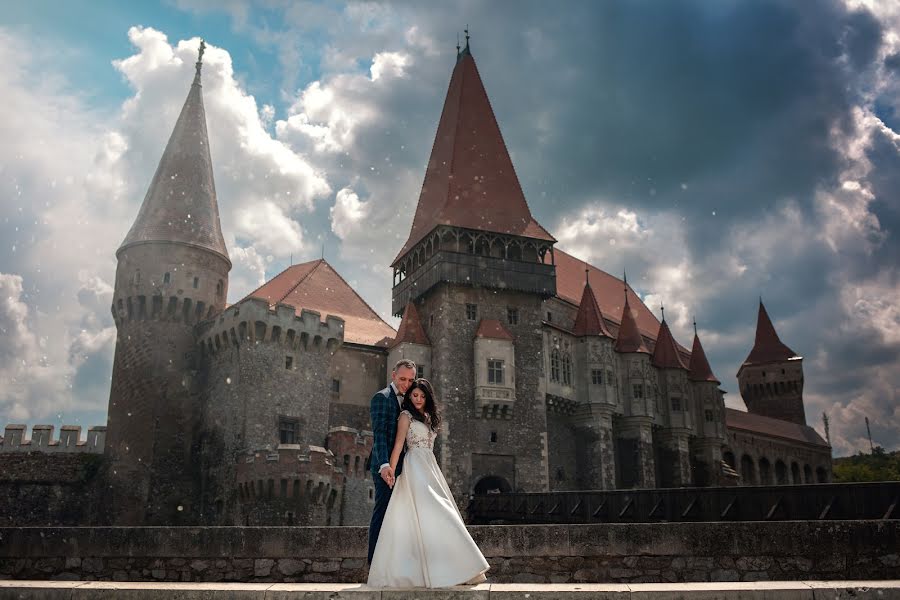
385,410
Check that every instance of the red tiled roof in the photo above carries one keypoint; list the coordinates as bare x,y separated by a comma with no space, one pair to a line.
767,347
665,353
470,180
315,285
607,289
494,329
699,367
589,320
629,338
411,330
738,419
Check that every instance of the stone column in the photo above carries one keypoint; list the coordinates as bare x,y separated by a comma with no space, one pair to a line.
637,429
708,453
601,451
677,444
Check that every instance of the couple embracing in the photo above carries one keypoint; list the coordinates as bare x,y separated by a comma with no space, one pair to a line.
417,537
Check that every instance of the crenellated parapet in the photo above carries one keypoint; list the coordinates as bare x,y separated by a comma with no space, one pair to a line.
42,440
253,321
351,447
300,484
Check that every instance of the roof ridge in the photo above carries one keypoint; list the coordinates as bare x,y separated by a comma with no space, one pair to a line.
282,272
355,293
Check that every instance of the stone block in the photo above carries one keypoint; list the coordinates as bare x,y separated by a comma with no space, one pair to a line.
104,590
263,566
290,566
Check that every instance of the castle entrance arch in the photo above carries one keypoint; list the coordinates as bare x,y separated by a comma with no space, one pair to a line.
492,484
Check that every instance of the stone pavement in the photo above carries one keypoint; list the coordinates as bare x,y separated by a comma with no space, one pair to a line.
762,590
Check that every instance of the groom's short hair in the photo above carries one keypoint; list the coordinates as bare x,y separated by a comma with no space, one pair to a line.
405,362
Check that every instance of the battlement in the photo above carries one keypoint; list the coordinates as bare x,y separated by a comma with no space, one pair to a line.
350,448
253,321
41,440
289,472
157,307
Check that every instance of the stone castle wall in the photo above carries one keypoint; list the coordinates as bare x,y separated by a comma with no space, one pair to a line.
38,488
749,551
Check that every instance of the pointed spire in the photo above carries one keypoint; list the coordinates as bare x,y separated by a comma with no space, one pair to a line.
629,338
665,353
767,346
699,369
180,205
411,330
470,181
199,63
589,320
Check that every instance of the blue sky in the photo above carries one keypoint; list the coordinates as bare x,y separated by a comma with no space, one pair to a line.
718,151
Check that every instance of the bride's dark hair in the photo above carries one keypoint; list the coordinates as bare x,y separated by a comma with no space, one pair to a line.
434,418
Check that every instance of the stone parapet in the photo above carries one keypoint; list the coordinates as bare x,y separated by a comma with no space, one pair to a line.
42,439
611,553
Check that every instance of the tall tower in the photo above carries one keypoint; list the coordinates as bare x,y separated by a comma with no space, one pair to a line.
172,272
477,266
771,378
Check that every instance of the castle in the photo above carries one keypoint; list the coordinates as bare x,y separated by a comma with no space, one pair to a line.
552,374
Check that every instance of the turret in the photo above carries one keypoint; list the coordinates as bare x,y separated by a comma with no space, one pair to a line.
172,273
771,378
675,408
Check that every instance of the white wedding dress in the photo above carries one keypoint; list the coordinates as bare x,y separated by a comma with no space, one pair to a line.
424,541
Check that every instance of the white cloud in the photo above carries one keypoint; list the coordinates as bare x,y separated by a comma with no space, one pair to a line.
388,64
348,215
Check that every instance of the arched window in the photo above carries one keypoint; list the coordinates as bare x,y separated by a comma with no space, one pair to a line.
220,288
167,278
567,369
554,366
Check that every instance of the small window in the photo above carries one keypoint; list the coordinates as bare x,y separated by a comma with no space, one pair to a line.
220,288
637,390
471,311
676,404
370,493
512,316
597,376
288,430
709,415
493,436
167,278
336,386
288,362
549,317
196,282
554,366
495,372
431,321
420,372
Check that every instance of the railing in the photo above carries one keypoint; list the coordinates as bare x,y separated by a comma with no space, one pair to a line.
829,501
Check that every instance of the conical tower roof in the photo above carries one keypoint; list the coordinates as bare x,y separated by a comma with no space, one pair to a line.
665,352
629,338
768,347
180,205
699,367
470,181
411,330
589,320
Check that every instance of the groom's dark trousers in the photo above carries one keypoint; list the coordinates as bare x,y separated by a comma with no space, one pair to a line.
385,410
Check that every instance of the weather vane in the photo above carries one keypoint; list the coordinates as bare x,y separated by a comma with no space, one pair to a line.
200,59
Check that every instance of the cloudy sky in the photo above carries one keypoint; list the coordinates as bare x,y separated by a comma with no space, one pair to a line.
720,151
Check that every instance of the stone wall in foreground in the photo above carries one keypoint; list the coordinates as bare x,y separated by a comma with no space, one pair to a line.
747,551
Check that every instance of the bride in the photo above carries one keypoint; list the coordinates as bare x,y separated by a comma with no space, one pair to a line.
424,541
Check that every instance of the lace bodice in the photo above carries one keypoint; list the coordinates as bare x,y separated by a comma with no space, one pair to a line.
419,434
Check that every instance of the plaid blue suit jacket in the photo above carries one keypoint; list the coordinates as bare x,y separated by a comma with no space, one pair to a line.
385,410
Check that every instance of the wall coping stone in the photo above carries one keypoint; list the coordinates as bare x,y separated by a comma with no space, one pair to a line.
763,590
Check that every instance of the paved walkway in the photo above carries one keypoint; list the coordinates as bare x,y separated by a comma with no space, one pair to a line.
767,590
